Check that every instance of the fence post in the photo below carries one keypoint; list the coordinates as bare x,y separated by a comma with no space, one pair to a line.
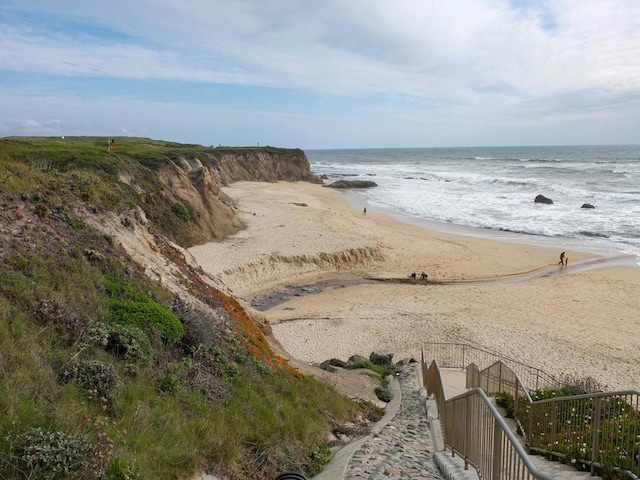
464,348
595,445
554,430
515,403
497,451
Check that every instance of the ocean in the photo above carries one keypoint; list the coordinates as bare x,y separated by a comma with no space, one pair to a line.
492,190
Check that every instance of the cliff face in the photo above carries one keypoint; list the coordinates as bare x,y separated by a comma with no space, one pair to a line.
194,180
266,164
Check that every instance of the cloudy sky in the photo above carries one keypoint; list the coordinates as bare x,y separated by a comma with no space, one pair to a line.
324,74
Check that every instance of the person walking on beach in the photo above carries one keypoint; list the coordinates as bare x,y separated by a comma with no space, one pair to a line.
364,211
562,259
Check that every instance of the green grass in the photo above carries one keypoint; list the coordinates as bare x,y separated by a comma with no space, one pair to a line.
269,424
198,402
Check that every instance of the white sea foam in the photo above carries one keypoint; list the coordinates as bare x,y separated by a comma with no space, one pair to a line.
494,188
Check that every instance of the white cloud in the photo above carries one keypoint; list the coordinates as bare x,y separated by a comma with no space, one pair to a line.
482,61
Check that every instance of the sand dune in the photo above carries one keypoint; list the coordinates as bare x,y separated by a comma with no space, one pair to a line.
510,298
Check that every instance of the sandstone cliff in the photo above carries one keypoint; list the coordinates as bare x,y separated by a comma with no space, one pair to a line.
194,178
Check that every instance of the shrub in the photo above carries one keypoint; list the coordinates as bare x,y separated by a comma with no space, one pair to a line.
181,211
128,307
99,377
129,342
145,315
200,328
319,458
505,400
39,454
198,378
383,393
371,411
575,385
118,288
42,211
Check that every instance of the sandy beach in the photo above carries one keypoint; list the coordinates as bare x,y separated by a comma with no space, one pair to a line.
510,298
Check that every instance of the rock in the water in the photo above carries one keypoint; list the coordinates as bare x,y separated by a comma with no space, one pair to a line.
587,205
543,199
352,184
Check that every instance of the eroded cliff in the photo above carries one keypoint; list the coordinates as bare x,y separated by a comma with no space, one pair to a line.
193,179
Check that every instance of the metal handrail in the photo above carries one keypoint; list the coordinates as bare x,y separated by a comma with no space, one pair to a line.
474,429
581,428
460,355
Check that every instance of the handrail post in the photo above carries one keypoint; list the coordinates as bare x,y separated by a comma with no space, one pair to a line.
497,451
595,444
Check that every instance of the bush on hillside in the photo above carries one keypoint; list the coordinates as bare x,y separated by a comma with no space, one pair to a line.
146,315
181,211
128,307
99,377
129,342
58,455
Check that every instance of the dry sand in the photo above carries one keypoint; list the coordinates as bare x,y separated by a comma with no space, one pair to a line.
509,298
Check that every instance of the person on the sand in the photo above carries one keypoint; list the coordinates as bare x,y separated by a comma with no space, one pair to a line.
562,259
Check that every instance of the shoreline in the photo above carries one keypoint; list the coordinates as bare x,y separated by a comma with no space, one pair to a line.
571,321
354,198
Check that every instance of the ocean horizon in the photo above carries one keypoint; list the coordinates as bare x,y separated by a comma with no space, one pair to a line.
490,191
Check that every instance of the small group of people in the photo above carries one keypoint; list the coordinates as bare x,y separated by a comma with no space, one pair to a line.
423,275
564,260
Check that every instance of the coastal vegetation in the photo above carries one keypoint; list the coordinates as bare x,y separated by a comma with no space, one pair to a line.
578,421
106,371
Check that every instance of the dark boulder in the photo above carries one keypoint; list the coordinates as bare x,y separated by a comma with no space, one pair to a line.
543,199
352,184
406,361
336,362
587,205
327,366
357,359
381,358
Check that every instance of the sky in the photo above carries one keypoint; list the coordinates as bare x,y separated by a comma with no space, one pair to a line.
324,74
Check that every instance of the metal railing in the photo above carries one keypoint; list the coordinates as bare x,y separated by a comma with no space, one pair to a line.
460,355
601,430
475,430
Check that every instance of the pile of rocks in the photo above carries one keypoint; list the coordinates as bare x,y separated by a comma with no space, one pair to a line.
358,361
